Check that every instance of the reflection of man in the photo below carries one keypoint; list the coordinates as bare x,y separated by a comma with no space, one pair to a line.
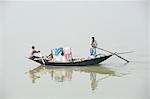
93,81
33,76
35,73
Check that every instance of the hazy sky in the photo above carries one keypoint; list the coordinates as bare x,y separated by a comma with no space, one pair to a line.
116,25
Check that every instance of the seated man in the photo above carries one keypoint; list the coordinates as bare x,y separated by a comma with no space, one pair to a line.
32,53
50,57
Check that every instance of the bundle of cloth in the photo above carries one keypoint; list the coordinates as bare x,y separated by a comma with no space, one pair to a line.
62,54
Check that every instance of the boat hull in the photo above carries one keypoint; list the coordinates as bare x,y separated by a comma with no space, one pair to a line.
86,62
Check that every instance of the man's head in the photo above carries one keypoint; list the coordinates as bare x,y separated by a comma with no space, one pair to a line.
92,38
33,47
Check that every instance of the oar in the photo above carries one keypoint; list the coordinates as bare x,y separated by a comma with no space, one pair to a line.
112,53
118,53
125,52
41,58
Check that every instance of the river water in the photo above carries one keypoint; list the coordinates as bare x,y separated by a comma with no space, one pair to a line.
117,26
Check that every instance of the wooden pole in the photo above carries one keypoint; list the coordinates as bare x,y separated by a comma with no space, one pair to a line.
113,54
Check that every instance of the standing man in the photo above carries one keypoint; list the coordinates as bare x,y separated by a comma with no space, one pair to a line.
93,45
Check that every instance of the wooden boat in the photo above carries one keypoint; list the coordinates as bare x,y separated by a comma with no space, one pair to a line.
81,62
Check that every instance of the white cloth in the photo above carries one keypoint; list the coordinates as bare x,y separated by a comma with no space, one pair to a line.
95,43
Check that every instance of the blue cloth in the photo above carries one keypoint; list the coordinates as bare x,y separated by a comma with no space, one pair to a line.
58,51
93,52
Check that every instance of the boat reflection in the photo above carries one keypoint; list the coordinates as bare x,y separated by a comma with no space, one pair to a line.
61,74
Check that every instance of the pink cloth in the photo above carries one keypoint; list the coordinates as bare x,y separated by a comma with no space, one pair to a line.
67,53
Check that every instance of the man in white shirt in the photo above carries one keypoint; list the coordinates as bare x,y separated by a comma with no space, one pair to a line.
93,45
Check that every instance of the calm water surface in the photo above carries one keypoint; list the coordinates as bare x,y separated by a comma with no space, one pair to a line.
107,80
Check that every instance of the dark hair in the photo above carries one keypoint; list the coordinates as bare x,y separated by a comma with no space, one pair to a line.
33,47
51,55
93,39
62,53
